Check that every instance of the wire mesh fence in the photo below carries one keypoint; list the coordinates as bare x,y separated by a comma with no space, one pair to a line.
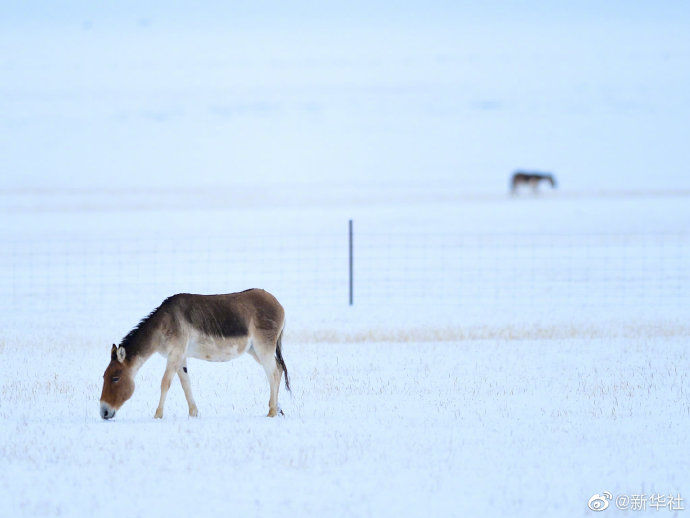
432,272
505,271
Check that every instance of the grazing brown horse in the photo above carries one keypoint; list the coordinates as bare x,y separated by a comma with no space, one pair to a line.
209,327
531,178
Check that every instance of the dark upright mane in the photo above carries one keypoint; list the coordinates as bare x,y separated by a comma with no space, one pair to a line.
139,338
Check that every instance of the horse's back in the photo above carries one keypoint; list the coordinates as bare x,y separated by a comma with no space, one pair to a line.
229,315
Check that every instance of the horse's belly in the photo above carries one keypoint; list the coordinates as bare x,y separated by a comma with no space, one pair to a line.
217,349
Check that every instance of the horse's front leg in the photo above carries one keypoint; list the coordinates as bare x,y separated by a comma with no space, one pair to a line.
170,370
187,387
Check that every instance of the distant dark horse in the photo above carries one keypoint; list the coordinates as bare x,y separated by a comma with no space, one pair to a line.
531,178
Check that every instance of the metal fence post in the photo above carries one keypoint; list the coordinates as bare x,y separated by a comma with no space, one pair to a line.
350,256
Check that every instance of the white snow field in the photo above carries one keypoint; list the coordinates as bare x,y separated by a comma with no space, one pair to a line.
504,356
410,403
491,427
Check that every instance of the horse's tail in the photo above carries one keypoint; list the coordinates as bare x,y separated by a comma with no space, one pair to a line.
281,362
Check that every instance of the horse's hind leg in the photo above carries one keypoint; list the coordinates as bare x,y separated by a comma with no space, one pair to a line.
266,358
187,387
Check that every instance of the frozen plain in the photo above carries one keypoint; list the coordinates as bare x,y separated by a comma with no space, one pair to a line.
392,429
535,417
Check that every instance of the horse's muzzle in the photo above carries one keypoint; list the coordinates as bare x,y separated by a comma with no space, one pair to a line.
106,411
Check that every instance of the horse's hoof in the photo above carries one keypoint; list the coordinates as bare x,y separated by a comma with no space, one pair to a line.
272,413
193,412
158,414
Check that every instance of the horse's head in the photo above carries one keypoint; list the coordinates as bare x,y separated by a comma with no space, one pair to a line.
118,383
551,180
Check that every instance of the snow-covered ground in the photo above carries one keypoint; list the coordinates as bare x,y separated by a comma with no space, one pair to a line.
504,355
491,427
531,376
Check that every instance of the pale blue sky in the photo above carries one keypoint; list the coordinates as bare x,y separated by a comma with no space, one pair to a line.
359,11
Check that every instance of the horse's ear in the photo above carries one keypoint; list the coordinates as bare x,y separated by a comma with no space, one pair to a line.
121,354
113,352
